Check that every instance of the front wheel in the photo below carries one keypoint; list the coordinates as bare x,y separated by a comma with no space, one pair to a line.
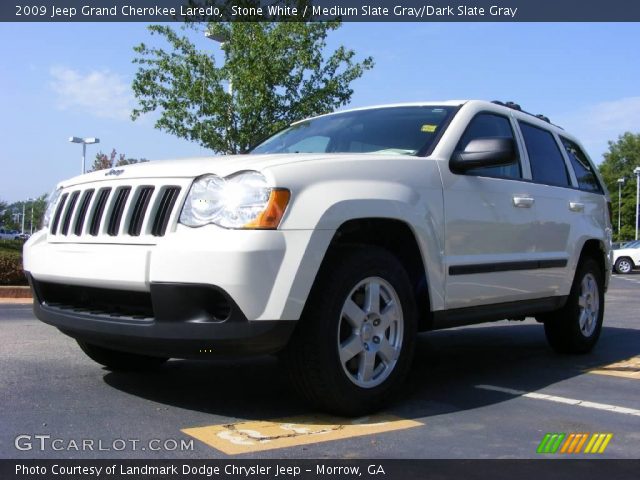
576,327
120,361
623,265
354,343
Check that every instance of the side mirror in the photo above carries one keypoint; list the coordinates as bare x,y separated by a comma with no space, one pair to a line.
484,152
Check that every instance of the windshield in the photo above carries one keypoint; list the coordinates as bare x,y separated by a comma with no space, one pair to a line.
393,130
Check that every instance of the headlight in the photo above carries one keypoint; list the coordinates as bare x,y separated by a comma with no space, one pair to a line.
241,200
51,205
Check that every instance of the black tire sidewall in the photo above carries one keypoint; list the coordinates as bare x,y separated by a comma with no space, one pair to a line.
563,329
345,271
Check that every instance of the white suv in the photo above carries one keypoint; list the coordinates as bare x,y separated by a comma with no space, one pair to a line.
334,242
626,258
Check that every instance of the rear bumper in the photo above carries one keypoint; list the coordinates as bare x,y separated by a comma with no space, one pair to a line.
173,320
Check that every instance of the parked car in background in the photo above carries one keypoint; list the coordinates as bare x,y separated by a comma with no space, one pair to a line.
626,258
6,234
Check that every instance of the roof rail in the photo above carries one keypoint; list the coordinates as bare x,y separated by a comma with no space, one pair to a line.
517,107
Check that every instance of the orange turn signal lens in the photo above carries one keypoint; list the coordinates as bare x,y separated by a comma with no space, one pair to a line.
271,216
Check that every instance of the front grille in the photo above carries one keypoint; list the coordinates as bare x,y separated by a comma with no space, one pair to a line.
68,212
166,302
98,211
109,213
96,301
139,210
56,219
82,212
118,210
166,206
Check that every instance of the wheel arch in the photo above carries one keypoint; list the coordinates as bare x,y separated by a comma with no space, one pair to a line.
397,237
594,248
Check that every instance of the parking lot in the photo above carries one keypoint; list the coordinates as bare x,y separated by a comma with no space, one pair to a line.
492,391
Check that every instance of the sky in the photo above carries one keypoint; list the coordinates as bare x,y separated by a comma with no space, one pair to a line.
61,80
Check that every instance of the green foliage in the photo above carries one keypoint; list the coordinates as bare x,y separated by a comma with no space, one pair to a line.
11,272
11,245
104,161
10,215
278,71
623,156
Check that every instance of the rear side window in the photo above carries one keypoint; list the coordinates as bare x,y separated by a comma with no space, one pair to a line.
547,163
489,125
587,179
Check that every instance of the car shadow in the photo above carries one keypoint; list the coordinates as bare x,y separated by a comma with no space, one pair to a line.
447,366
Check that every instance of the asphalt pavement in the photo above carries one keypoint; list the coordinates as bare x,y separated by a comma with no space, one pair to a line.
489,391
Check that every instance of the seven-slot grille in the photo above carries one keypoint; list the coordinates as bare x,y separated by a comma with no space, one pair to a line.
113,211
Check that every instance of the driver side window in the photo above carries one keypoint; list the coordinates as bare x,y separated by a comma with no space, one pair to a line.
490,125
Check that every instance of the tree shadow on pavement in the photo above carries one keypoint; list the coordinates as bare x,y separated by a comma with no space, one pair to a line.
448,364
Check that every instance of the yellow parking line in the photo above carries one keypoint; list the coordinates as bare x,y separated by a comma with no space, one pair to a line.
629,368
257,435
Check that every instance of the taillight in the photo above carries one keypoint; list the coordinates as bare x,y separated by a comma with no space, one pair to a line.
610,213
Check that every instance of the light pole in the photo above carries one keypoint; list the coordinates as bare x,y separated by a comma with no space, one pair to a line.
221,39
621,182
22,229
637,172
84,141
16,216
31,224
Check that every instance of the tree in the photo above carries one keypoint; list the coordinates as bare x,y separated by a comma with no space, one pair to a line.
623,156
102,161
278,72
10,215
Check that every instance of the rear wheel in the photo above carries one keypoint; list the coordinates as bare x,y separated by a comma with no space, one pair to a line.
122,361
354,343
623,265
576,327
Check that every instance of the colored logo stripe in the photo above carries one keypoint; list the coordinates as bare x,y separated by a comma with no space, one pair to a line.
550,443
574,442
598,442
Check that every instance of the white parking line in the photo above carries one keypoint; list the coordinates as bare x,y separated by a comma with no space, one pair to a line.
565,400
628,279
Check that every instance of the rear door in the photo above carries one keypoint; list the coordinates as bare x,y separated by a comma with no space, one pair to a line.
558,207
490,224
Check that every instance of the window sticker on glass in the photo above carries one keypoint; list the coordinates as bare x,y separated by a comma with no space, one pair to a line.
428,128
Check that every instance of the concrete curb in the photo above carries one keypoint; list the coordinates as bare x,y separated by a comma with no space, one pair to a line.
16,301
15,292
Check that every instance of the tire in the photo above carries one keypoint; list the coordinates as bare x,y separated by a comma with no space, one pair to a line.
623,265
576,327
354,343
120,361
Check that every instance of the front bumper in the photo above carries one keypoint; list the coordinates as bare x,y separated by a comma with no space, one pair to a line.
259,269
172,320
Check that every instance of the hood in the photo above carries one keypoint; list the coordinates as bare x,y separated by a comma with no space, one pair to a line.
189,167
220,165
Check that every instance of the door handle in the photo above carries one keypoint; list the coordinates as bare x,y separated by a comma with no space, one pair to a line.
576,206
523,202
